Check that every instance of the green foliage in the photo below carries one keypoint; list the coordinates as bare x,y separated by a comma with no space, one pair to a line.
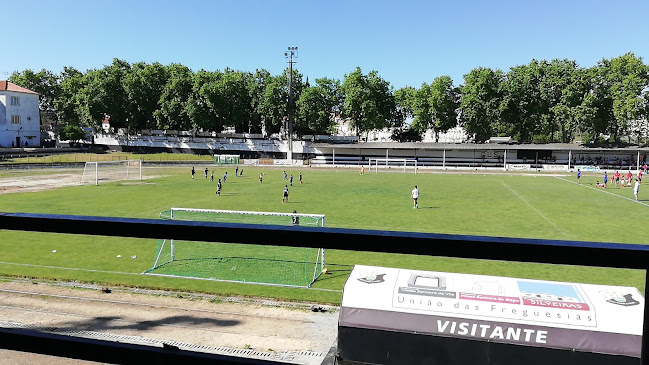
317,107
557,98
172,112
368,101
73,133
44,82
479,102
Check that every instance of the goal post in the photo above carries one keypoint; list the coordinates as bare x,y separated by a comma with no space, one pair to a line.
96,171
248,263
392,163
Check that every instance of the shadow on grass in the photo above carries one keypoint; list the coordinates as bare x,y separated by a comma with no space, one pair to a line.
335,271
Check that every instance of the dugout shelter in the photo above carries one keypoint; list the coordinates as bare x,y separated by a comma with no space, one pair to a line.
396,316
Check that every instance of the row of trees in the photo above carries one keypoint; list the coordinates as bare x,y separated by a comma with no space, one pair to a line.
542,101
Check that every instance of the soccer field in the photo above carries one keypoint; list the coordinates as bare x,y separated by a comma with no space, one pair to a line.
494,204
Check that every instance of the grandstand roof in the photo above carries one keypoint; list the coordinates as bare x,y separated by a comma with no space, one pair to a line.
473,146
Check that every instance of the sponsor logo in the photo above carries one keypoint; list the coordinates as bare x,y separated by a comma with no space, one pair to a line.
623,299
490,298
372,278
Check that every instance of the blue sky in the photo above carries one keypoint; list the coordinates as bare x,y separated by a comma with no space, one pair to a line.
407,42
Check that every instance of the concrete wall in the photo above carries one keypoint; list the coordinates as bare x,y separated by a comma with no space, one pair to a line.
29,128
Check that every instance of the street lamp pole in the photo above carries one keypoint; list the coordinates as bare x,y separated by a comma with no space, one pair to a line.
290,54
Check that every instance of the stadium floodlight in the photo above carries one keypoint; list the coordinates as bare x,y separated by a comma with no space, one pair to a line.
291,54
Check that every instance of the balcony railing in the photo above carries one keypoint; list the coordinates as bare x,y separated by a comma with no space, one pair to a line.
592,254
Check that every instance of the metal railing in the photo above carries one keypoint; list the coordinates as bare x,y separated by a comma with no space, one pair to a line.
579,253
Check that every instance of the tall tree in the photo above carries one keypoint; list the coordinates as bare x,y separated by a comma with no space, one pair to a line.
628,78
172,113
274,106
44,82
368,101
436,106
67,107
256,84
200,104
317,106
143,87
405,103
444,101
563,89
479,103
522,108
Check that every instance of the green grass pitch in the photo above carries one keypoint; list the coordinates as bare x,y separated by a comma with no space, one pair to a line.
513,205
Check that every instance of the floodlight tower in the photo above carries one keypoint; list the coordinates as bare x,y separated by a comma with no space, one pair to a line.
290,55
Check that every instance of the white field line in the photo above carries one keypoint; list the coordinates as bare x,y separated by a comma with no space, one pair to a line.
604,191
68,268
537,211
124,273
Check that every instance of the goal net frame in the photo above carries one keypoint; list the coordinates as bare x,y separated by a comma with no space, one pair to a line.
226,159
388,163
95,173
316,257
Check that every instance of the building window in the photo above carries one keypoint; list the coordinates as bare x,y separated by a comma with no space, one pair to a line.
15,119
15,100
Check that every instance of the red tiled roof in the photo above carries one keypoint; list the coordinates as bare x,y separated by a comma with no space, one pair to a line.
10,86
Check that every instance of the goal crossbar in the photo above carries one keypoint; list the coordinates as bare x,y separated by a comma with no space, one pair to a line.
171,213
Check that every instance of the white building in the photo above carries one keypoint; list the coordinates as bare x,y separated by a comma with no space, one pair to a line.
19,116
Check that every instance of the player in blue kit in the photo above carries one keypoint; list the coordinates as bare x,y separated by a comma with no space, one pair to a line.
578,176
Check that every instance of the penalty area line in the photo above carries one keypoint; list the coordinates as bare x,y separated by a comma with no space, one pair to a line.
604,191
537,211
69,268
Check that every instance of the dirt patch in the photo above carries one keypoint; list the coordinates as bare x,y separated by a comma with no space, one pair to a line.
271,327
30,183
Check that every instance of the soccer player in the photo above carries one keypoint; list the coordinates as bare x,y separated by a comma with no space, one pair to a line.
628,177
362,170
291,180
285,177
261,178
578,176
241,174
605,179
193,172
295,220
616,177
206,170
212,176
415,196
640,175
636,188
218,187
236,172
285,197
225,176
300,177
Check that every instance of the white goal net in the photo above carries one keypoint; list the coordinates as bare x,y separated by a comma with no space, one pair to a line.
249,263
94,172
402,164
